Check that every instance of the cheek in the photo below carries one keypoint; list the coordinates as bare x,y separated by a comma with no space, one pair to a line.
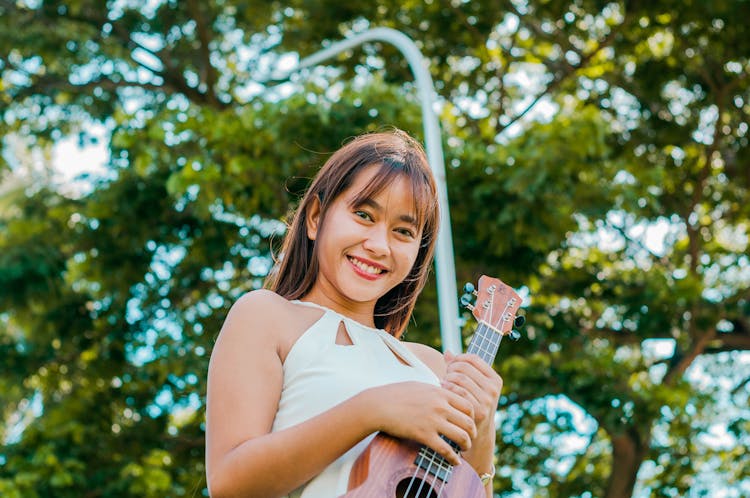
409,256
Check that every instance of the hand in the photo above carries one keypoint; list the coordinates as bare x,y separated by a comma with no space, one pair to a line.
471,378
422,413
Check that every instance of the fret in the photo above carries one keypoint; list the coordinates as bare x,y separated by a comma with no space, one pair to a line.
455,446
485,354
432,463
485,343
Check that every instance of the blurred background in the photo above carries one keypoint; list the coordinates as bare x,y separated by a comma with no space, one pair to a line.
597,161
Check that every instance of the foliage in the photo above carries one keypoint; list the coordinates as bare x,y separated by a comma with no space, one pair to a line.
596,154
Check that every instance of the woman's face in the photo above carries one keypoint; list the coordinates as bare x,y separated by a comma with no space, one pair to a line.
365,250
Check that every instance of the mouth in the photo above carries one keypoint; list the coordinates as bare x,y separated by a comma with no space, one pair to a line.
368,269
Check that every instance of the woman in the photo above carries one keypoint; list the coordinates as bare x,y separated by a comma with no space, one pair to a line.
305,372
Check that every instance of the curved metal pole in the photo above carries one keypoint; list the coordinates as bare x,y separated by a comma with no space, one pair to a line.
445,271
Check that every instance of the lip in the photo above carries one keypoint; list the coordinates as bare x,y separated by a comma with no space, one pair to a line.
363,274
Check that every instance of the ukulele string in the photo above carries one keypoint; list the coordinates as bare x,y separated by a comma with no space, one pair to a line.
414,477
479,347
427,459
447,476
448,468
433,485
421,485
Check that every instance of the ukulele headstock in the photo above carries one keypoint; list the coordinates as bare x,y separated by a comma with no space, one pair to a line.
496,305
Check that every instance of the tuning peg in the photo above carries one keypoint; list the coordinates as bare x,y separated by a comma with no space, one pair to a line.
466,301
519,321
469,288
514,335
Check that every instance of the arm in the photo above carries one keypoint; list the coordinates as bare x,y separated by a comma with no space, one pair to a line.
243,458
244,386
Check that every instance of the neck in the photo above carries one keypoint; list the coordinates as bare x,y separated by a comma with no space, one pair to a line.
360,312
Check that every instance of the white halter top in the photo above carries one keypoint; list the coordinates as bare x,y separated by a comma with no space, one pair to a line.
319,374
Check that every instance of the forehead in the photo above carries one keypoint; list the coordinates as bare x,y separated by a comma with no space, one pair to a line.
410,183
383,186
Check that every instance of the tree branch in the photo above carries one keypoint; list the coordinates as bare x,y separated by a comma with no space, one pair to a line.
621,230
740,386
208,71
568,70
171,75
732,341
682,363
48,83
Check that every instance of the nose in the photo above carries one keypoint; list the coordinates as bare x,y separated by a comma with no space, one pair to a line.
376,241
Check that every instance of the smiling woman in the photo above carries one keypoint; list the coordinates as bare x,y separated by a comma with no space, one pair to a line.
305,373
392,162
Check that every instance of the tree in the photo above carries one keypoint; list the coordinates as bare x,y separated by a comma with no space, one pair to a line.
574,130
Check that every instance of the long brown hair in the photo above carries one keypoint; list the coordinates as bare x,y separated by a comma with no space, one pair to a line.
396,153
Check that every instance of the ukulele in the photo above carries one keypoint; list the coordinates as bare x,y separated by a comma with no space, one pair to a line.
396,468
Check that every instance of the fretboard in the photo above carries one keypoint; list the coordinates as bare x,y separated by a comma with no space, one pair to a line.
485,342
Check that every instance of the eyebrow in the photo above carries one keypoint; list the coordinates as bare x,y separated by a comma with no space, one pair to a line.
406,218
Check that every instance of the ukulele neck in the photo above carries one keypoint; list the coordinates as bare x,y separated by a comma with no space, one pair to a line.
485,342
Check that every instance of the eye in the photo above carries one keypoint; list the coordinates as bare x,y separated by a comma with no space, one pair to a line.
406,232
363,214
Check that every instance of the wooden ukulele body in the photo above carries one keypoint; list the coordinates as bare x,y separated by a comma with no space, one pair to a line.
386,467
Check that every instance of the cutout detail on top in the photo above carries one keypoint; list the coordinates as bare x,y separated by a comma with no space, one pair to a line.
344,339
398,355
342,335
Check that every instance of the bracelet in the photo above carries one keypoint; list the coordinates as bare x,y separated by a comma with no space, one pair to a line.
487,476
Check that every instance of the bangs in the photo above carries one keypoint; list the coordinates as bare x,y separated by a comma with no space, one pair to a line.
425,200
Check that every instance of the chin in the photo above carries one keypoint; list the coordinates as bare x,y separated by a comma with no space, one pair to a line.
365,295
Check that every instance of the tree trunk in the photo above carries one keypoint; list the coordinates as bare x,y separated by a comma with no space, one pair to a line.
628,452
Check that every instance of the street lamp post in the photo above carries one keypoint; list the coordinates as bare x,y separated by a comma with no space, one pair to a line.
445,271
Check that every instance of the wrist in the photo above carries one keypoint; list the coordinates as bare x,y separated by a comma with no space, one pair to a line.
366,405
487,424
486,477
483,445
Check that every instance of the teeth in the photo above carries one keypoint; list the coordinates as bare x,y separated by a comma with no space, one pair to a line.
365,268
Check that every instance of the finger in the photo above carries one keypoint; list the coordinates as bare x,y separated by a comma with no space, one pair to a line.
483,397
482,402
462,391
460,403
444,449
464,360
461,430
462,420
488,381
474,387
449,357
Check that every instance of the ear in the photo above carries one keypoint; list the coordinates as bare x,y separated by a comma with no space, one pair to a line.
312,218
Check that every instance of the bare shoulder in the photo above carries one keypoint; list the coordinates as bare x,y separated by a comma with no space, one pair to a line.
251,319
261,301
429,356
264,319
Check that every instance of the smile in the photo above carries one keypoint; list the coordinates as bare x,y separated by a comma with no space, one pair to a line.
365,268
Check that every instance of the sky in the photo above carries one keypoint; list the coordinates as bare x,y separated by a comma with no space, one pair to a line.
71,162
